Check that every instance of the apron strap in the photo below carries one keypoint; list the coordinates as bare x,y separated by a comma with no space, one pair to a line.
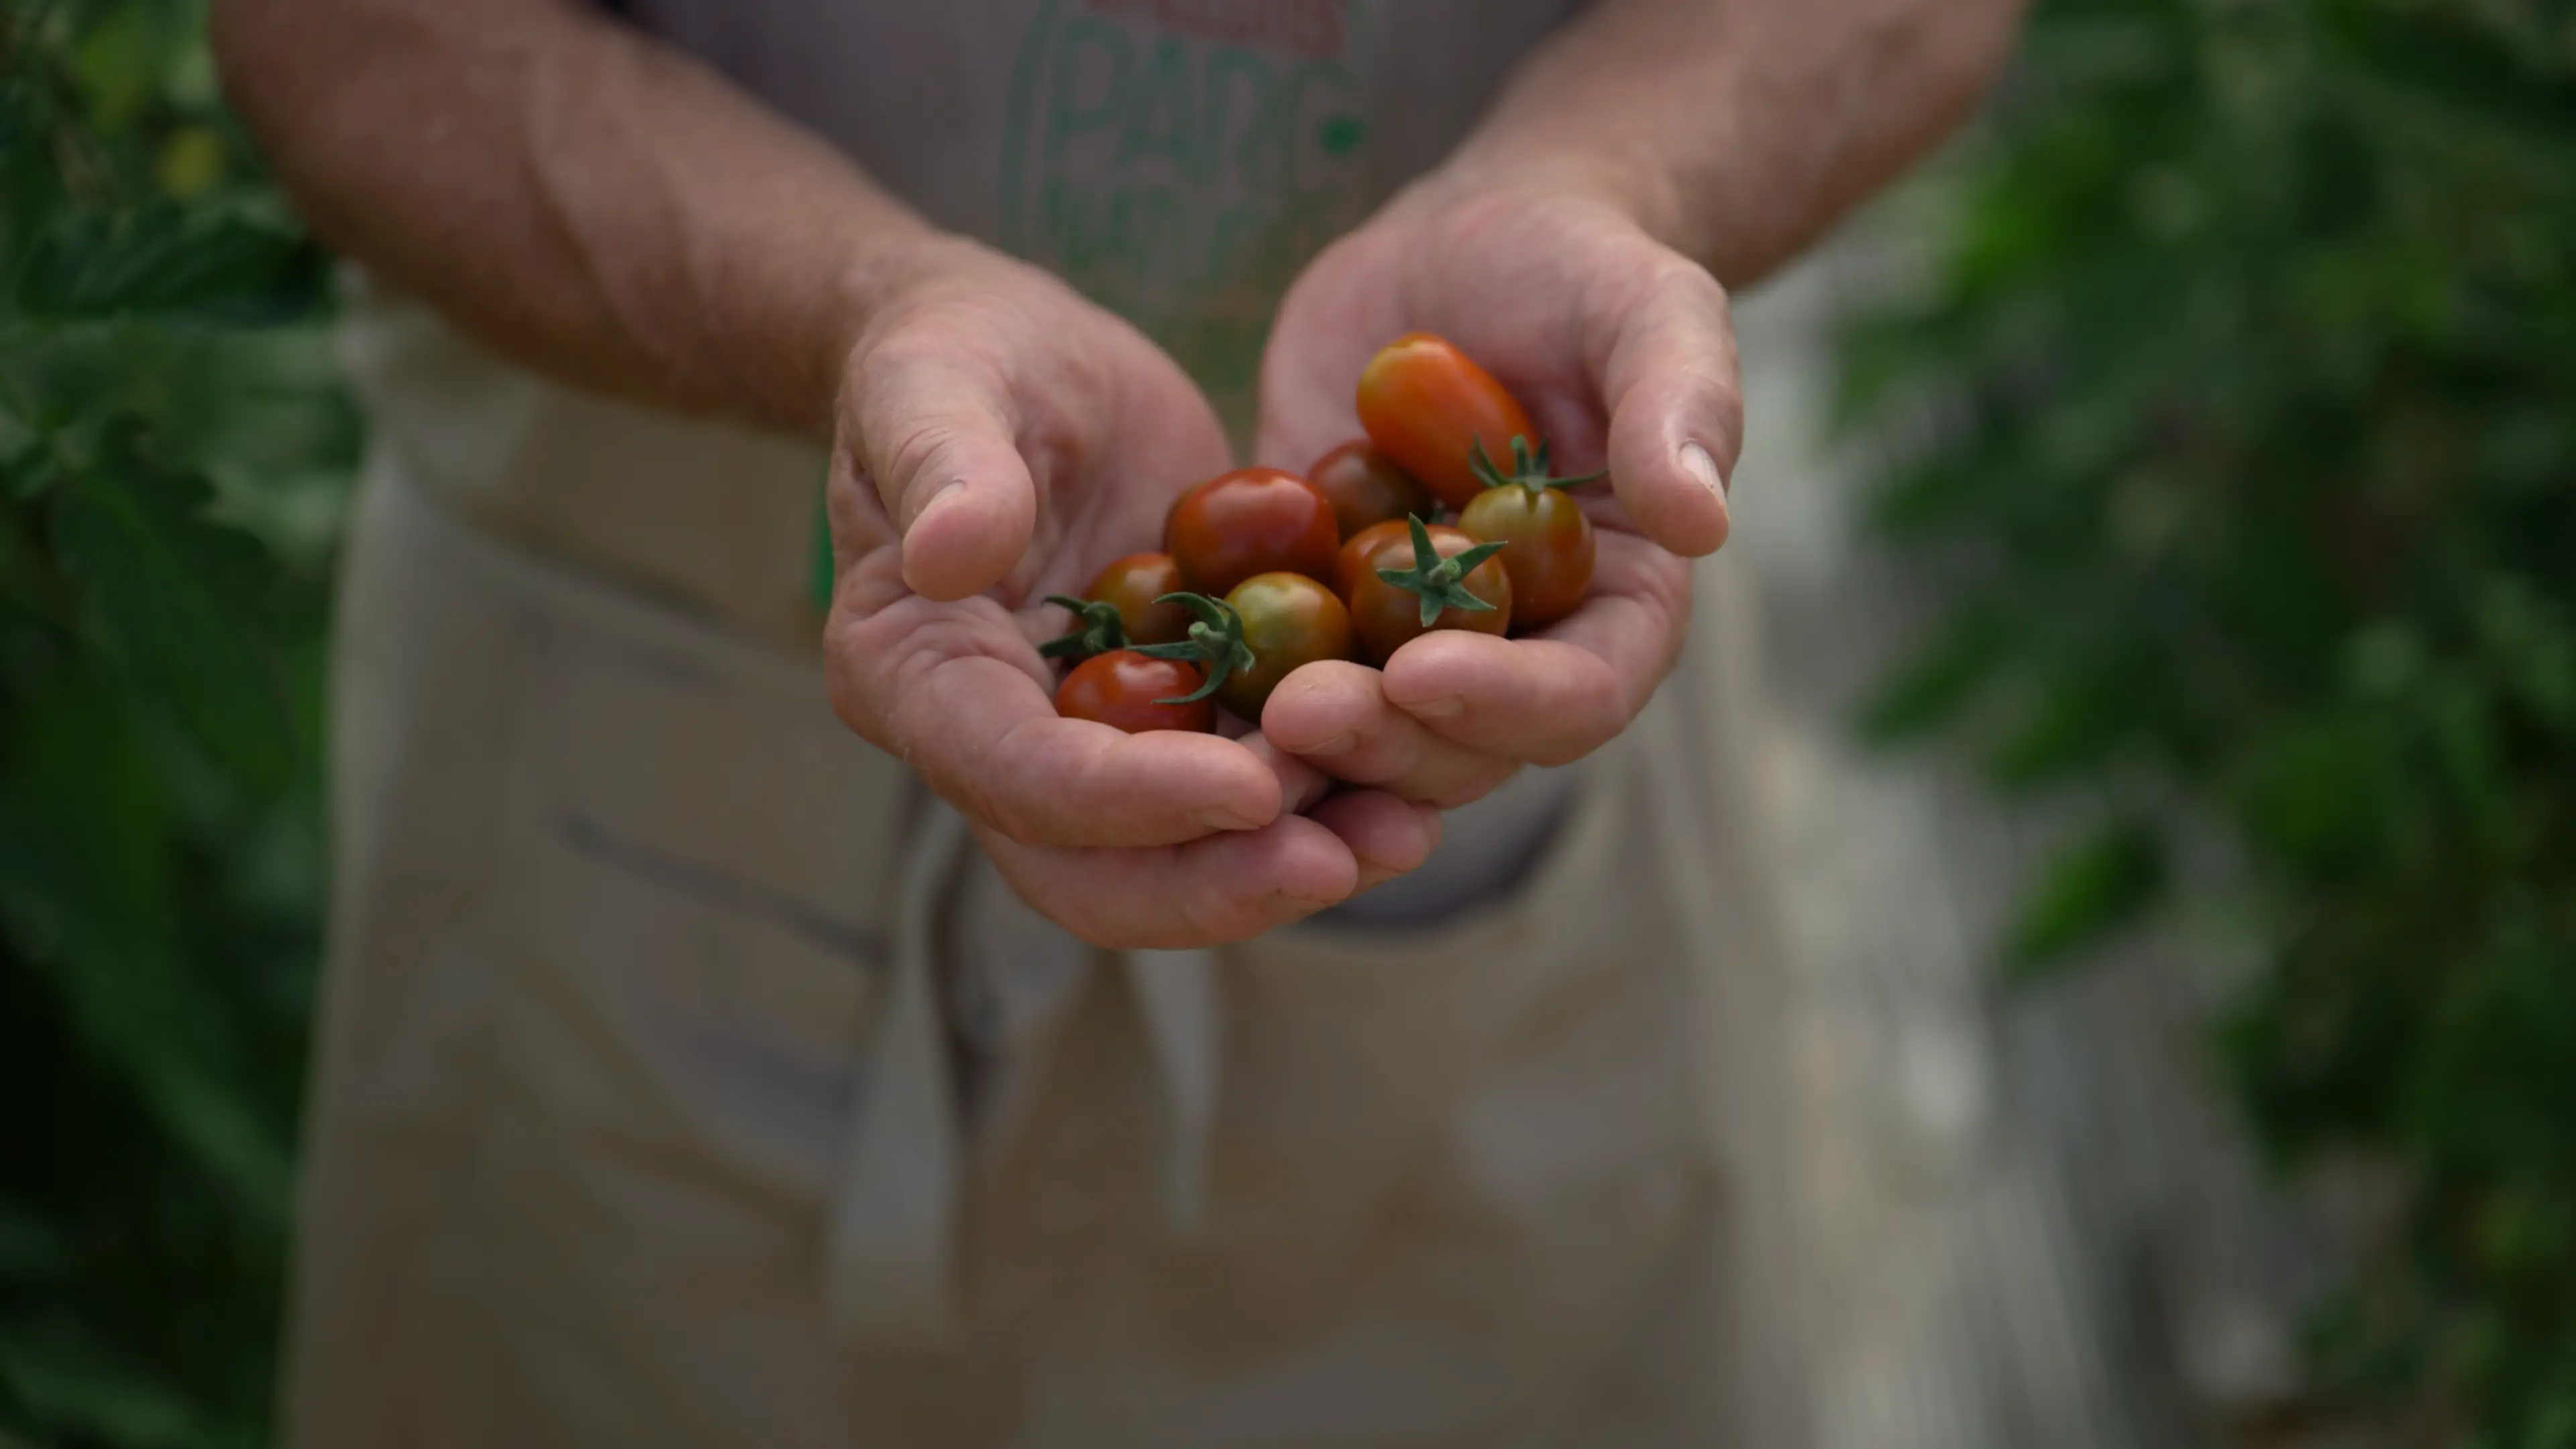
890,1244
893,1215
1177,993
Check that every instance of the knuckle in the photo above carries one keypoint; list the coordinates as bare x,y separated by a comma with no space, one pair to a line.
913,463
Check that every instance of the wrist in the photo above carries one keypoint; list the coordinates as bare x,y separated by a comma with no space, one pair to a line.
1622,184
889,268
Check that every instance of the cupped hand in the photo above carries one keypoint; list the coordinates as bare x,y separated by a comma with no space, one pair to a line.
1621,351
999,439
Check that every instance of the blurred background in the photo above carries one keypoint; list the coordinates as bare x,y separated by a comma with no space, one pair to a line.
2165,514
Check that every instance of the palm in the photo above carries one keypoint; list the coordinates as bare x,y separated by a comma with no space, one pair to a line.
1106,497
1108,431
1620,351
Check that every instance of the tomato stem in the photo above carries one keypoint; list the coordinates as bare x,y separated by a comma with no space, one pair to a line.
1528,470
1097,629
1215,643
1440,582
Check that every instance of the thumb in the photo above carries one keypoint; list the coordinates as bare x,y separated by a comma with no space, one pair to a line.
1676,408
938,439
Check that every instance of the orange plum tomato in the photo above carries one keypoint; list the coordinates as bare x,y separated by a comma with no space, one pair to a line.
1427,405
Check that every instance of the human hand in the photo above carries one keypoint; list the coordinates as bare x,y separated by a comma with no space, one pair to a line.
999,439
1621,351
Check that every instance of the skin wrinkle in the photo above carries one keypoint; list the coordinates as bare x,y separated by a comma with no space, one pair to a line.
1010,815
555,126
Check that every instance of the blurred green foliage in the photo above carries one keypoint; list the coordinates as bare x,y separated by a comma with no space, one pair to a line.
2239,424
174,452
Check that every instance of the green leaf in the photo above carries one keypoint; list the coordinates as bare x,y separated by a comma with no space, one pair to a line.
167,264
2073,724
1940,680
71,1388
2088,890
819,574
138,1006
177,599
29,1247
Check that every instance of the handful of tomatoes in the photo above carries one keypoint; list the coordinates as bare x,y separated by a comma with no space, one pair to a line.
1263,571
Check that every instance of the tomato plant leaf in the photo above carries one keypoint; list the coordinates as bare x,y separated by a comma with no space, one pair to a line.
2089,889
1940,681
161,261
176,597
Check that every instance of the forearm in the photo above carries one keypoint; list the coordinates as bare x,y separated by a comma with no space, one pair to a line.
576,195
1738,130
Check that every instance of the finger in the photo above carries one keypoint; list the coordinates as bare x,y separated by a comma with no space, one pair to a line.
1336,715
1386,835
938,436
1207,892
1559,695
1668,380
956,693
1301,785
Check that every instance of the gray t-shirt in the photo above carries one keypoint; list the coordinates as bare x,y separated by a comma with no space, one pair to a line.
1177,160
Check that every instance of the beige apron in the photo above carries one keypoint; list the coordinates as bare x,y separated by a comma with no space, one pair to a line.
653,1107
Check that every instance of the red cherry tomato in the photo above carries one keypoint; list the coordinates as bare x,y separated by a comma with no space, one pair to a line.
1359,552
1131,585
1366,488
1120,689
1250,521
1547,548
1388,616
1288,620
1426,403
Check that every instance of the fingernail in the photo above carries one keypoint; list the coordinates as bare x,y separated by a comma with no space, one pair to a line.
1447,706
1221,818
938,495
1697,462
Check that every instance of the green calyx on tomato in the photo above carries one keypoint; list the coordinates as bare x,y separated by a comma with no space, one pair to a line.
1440,582
1215,644
1097,629
1528,471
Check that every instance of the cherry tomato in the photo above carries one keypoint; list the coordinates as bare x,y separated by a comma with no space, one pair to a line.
1387,616
1359,553
1547,548
1366,488
1426,403
1288,620
1250,521
1131,585
1121,688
